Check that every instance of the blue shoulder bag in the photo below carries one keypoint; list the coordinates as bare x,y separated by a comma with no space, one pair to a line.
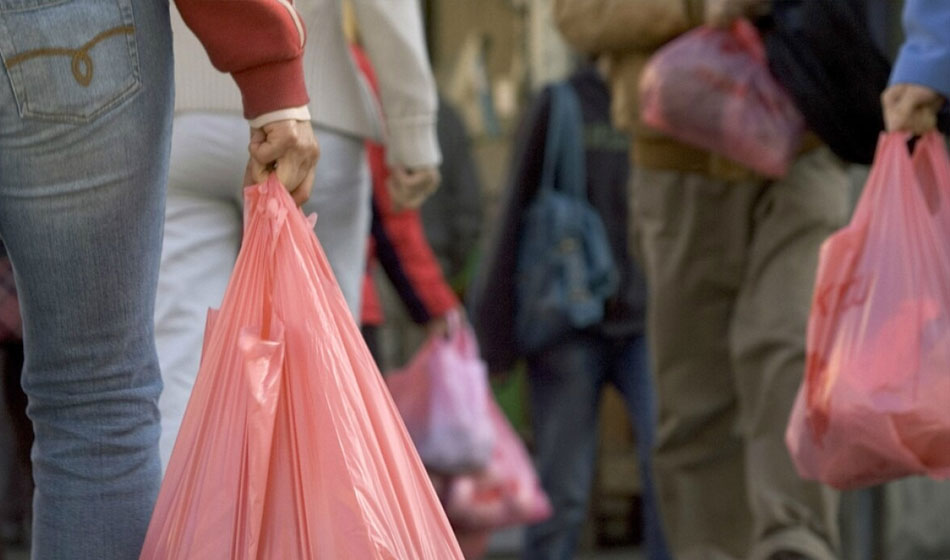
565,269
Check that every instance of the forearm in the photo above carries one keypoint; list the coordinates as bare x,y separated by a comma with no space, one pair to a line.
395,42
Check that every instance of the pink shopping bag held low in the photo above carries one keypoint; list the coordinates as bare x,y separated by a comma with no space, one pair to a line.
505,493
875,402
711,88
443,397
291,447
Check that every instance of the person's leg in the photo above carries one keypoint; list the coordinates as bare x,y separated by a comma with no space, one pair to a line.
565,383
693,260
203,224
631,375
341,199
82,182
915,519
789,222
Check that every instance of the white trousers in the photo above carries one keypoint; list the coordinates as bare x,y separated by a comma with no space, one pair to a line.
203,227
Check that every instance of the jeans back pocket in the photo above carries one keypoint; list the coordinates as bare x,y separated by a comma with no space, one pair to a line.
69,60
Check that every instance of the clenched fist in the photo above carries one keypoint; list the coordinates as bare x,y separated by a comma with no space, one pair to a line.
288,148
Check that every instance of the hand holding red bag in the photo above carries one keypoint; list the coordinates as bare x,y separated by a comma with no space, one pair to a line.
875,403
443,397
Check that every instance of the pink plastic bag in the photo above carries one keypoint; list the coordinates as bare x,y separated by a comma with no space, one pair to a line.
443,397
875,403
291,447
712,88
506,493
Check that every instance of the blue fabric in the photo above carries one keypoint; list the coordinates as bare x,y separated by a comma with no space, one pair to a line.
925,56
566,382
83,165
565,271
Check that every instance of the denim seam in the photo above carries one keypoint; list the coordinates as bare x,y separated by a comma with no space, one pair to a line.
79,56
6,45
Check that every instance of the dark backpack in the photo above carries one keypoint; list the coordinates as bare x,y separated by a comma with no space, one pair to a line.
565,270
823,52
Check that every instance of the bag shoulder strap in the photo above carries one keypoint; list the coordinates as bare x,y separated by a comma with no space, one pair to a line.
564,167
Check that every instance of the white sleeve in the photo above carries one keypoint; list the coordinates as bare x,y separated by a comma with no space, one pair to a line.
394,38
293,113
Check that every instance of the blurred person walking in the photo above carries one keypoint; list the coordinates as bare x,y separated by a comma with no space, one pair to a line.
398,242
919,88
204,214
730,260
567,377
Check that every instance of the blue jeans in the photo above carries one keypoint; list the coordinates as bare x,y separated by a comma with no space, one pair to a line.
566,383
83,162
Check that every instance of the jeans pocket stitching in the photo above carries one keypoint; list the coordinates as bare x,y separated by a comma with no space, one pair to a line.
81,65
80,57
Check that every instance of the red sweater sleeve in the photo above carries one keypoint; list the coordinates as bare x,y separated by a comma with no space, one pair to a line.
259,42
401,247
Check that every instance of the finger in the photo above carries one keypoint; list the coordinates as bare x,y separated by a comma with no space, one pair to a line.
290,172
257,135
248,177
415,182
424,183
295,168
255,173
396,195
302,193
922,120
414,201
892,95
898,112
279,138
253,146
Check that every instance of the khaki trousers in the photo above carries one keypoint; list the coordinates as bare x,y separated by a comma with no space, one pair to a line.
730,268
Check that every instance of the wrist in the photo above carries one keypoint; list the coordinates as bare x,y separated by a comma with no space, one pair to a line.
301,113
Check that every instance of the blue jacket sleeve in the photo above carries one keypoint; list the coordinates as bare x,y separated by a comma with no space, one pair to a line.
924,58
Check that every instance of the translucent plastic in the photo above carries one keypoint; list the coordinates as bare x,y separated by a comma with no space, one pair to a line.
506,493
443,397
291,447
875,403
712,89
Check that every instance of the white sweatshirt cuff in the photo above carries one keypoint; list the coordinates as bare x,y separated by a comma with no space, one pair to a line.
294,113
413,144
